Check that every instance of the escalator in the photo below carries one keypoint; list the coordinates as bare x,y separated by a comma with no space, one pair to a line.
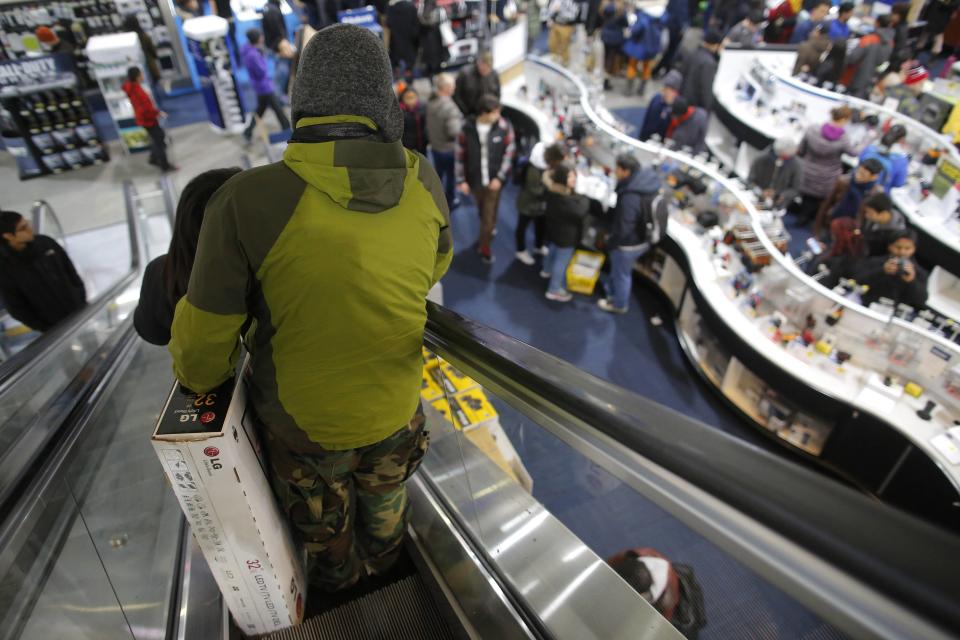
535,475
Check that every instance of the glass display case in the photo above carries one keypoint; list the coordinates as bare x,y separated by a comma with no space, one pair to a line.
818,372
759,100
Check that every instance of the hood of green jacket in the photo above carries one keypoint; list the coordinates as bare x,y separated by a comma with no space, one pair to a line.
363,174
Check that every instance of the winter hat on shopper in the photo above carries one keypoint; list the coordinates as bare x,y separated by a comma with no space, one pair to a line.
45,35
915,75
673,79
344,70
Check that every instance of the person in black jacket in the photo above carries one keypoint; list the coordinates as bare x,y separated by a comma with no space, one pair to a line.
636,188
565,213
433,53
38,283
699,70
484,156
276,39
901,36
404,25
895,276
166,277
475,81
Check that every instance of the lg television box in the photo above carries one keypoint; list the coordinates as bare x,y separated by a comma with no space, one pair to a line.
208,448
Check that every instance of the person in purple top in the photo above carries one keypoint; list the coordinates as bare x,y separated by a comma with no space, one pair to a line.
256,64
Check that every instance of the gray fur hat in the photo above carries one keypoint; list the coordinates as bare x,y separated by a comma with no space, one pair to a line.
345,70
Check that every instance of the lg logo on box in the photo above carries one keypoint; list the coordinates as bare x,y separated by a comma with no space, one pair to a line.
213,452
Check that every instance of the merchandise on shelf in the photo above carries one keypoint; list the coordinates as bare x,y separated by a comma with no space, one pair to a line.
76,21
44,122
758,101
110,58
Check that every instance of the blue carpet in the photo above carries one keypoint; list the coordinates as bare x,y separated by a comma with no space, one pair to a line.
626,350
632,115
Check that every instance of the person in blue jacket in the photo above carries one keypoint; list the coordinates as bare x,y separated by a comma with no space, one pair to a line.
642,47
839,29
896,165
676,18
818,15
657,117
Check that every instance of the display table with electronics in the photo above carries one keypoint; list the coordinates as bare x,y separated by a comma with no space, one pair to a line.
757,100
871,397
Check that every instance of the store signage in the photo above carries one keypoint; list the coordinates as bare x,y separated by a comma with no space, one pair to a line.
212,58
28,71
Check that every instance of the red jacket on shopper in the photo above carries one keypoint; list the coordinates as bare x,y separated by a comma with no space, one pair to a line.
144,111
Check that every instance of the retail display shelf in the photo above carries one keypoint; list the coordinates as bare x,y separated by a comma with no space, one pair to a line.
758,100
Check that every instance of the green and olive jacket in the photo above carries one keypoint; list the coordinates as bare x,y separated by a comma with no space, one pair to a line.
330,254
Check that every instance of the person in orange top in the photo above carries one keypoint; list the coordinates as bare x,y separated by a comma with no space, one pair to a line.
146,115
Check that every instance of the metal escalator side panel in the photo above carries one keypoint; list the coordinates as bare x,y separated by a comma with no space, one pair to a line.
518,572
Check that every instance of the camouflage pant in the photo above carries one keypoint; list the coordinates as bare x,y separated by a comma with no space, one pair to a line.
349,507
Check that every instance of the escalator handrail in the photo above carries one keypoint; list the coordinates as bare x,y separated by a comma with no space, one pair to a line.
907,561
15,368
81,403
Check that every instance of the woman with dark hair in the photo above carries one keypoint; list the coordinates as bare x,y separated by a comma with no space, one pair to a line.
842,259
166,277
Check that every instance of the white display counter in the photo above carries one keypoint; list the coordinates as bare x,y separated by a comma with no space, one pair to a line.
845,390
758,100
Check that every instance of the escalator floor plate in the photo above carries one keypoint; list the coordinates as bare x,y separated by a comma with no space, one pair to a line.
403,609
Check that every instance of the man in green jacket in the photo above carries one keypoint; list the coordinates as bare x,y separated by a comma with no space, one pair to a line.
330,253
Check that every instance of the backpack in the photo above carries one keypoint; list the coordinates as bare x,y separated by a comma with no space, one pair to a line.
652,221
690,615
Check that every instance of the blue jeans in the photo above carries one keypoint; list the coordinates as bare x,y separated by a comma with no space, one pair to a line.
281,75
443,162
556,263
621,275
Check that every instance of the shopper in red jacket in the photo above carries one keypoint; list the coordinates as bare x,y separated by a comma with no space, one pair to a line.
146,114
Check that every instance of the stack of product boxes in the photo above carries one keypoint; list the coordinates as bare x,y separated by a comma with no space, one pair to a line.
464,404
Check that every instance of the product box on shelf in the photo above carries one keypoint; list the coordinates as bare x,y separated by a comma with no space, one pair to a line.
209,451
44,119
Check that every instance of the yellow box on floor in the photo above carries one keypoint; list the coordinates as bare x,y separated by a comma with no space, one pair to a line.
466,410
584,271
429,389
451,380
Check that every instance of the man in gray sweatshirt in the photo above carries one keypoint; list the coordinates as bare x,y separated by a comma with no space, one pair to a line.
444,123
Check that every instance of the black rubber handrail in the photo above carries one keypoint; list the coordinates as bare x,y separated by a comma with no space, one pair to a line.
894,553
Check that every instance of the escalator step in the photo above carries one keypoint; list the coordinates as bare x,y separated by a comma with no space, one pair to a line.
403,609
